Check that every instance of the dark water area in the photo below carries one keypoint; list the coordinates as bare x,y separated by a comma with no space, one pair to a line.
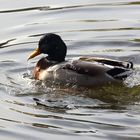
29,109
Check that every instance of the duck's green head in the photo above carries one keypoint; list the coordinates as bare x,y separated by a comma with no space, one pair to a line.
52,45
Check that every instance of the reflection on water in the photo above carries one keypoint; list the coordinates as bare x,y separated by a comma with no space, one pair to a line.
30,109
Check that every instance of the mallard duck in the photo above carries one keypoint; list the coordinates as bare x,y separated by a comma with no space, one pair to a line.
85,71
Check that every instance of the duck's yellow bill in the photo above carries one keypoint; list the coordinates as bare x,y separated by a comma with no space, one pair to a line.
34,54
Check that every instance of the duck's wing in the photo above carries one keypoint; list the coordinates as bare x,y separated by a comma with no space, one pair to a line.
88,68
97,69
111,62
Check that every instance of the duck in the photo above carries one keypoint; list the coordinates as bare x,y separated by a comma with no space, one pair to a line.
83,71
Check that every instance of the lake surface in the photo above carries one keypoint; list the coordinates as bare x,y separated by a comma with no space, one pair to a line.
29,109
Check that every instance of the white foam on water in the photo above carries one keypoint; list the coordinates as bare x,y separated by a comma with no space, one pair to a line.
134,79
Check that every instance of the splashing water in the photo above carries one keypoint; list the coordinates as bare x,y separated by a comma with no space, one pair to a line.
134,79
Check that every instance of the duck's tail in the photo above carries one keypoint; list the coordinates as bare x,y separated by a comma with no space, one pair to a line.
120,73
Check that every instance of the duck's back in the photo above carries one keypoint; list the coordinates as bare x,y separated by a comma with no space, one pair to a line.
79,73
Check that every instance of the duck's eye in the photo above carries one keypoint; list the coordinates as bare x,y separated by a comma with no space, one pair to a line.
43,48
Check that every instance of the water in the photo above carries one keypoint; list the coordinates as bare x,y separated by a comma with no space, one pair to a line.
30,110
